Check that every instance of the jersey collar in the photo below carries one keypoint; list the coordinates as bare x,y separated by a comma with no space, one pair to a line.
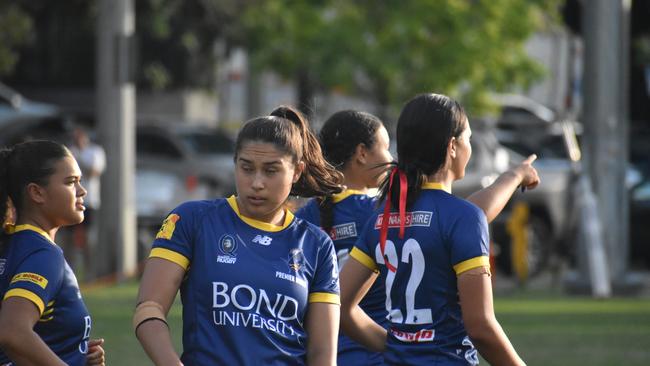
338,197
288,218
12,229
436,185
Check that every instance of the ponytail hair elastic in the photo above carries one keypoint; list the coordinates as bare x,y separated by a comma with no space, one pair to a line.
383,232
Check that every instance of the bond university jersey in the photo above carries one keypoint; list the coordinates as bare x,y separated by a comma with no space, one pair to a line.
350,212
444,237
33,267
248,283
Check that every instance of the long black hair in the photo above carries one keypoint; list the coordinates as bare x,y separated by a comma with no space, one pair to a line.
288,130
425,126
339,138
22,164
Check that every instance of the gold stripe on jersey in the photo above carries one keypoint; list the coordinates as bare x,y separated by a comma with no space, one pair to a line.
482,261
362,257
288,218
23,227
435,185
44,319
336,198
19,292
325,297
171,256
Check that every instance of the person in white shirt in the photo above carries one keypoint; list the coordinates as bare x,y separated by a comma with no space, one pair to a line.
92,161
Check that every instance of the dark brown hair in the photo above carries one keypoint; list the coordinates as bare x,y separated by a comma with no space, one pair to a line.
288,130
339,138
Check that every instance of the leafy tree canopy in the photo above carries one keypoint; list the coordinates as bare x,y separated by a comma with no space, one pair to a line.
15,28
391,50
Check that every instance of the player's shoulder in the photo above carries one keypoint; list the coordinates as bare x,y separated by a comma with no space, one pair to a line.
199,207
312,232
25,243
454,205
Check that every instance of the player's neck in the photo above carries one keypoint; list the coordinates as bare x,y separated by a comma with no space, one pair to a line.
353,180
39,222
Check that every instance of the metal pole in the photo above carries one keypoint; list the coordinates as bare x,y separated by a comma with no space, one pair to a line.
605,123
116,120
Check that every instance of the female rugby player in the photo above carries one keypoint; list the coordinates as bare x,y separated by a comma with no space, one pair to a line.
43,319
258,285
430,249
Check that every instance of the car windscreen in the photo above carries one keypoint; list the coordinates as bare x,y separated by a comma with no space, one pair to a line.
207,143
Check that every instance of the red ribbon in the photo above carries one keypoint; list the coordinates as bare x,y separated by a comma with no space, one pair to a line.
383,233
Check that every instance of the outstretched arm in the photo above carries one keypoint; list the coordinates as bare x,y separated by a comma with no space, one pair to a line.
493,199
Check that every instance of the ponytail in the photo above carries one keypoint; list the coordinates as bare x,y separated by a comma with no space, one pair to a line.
319,178
326,209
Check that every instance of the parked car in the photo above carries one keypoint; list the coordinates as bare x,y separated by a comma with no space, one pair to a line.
549,223
15,105
202,155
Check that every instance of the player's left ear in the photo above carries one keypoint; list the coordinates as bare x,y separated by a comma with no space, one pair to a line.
298,171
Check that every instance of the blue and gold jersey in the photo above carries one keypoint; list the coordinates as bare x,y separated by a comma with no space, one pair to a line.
444,237
350,212
33,267
248,283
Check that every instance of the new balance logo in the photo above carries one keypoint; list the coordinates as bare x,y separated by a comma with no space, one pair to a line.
262,239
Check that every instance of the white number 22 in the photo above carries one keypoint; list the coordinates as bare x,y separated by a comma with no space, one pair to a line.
411,252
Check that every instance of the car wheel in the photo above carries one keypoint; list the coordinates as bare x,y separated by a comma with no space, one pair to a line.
535,256
540,245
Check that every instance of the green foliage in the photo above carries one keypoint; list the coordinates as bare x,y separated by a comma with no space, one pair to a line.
392,50
177,39
15,31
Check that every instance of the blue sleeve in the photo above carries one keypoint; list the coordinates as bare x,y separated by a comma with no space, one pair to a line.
469,241
38,277
175,238
325,284
364,247
310,212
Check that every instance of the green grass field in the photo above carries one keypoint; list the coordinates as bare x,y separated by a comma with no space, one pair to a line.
545,329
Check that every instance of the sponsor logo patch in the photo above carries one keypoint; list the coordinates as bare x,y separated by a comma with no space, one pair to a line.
415,218
30,277
344,231
3,264
228,249
422,335
168,226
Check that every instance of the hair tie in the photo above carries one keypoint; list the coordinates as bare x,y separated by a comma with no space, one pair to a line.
383,233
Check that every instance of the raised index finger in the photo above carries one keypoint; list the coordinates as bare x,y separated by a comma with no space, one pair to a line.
530,159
